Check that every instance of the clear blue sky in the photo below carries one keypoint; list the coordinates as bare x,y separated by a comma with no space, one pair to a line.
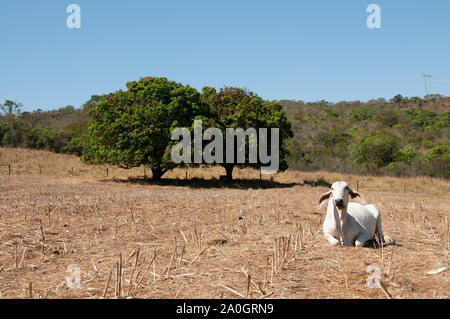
304,50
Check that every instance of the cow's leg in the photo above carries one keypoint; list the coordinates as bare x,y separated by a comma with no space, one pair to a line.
332,240
379,230
362,239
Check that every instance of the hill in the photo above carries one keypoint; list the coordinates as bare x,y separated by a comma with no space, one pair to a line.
397,137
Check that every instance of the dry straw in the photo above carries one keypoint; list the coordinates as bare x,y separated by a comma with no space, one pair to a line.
84,216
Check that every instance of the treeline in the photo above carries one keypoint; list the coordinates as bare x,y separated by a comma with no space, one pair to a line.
401,137
15,133
58,130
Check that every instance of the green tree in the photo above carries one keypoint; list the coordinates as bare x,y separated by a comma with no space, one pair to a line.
376,150
362,113
443,120
398,100
387,117
405,155
233,107
11,107
433,97
424,118
74,146
34,140
13,133
132,128
438,161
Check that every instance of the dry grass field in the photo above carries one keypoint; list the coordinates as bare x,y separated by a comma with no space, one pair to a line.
203,238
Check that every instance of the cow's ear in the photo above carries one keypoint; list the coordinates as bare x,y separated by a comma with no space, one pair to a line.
354,194
357,196
323,199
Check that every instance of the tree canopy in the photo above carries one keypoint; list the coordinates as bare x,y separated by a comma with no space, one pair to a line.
133,128
233,107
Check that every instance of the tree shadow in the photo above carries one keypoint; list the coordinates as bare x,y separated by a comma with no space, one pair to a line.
318,183
206,183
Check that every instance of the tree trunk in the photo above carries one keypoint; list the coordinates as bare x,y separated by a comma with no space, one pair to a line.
157,173
229,170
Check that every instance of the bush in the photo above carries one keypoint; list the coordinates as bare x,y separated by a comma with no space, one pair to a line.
74,147
438,161
405,155
376,150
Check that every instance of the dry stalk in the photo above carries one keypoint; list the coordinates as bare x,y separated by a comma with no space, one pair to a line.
178,292
115,231
272,270
42,234
249,280
183,275
198,255
284,249
253,282
268,295
64,244
446,232
151,261
275,256
107,283
198,238
116,288
93,265
181,256
390,261
138,283
385,290
131,255
15,255
184,236
30,290
265,273
132,215
154,270
23,256
132,272
155,275
120,275
171,261
136,278
232,290
429,225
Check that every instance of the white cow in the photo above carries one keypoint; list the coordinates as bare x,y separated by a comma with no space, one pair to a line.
347,223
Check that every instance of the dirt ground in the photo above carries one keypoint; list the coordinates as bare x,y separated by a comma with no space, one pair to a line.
204,239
